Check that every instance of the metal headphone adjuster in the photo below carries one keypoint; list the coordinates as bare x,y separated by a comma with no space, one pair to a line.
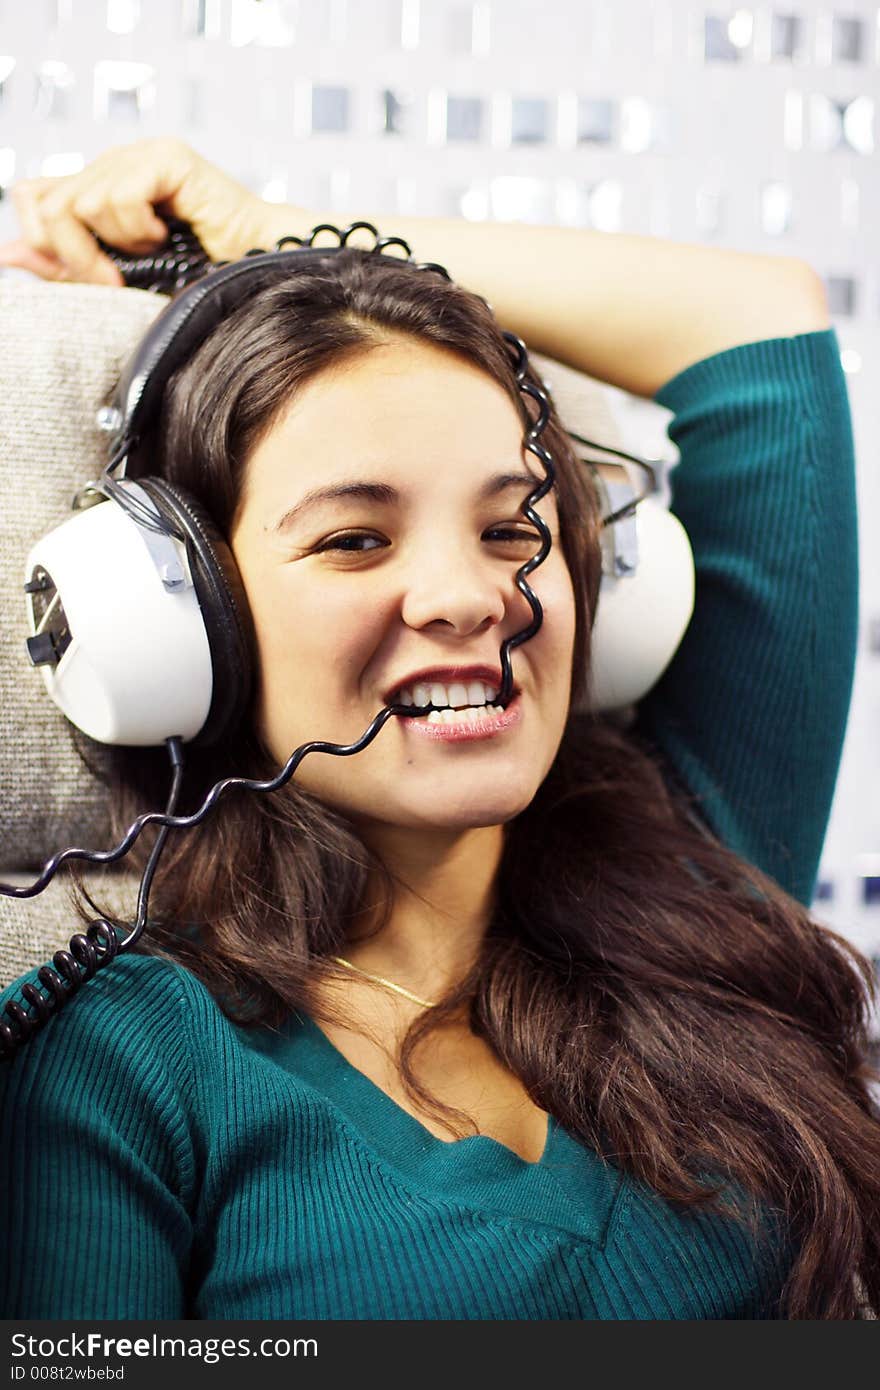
166,547
619,537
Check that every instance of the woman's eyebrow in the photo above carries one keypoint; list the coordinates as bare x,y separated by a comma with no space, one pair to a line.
387,495
365,491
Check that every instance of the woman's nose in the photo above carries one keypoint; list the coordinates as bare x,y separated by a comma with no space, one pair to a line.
466,592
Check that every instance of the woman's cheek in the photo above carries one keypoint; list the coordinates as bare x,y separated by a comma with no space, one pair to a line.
555,590
312,657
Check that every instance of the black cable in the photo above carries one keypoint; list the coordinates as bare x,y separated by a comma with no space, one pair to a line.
180,261
532,445
87,952
175,264
273,784
629,507
100,944
175,752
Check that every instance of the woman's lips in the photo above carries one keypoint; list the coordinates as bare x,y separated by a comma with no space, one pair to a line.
468,730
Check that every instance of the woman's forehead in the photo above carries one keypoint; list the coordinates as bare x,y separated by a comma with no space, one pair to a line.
399,385
394,420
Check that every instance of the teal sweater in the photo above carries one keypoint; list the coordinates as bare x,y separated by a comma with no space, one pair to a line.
161,1162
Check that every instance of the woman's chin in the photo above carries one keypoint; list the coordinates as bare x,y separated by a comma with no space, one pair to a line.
472,813
414,801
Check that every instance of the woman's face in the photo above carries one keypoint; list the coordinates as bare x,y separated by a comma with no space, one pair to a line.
401,583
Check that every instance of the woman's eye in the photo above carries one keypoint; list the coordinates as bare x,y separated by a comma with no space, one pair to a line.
511,535
360,542
349,542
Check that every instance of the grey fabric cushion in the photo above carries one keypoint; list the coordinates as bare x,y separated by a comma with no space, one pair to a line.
63,349
64,346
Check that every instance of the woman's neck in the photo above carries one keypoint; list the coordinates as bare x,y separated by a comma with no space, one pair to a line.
444,896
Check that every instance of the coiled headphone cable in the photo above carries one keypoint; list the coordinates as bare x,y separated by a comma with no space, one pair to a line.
179,262
175,265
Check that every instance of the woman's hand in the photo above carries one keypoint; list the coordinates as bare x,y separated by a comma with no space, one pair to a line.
120,197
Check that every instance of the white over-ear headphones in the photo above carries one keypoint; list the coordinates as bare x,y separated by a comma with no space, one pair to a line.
138,618
131,667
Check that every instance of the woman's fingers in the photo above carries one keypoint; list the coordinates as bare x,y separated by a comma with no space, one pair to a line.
226,217
26,201
116,197
74,244
111,198
63,246
121,218
21,256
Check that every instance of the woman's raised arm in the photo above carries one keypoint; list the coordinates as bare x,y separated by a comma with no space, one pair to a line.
630,310
633,311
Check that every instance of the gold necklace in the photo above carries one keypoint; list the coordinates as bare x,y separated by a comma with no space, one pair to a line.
380,980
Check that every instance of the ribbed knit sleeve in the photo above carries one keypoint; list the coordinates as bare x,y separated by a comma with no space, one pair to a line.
99,1160
750,715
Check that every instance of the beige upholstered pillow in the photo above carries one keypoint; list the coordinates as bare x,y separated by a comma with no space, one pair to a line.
64,346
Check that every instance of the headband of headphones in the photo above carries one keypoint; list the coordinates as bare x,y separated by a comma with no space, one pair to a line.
181,328
138,617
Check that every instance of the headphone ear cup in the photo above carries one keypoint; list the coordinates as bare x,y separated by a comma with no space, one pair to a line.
223,603
641,617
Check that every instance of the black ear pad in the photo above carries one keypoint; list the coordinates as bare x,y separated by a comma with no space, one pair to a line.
224,606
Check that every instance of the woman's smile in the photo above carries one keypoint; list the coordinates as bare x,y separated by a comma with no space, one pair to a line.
461,703
465,725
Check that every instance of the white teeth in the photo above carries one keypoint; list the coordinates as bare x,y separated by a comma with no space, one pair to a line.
459,716
455,695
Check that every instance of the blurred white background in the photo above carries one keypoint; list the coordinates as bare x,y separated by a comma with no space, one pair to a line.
748,127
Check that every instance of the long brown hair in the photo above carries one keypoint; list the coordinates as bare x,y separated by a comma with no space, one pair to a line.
667,1002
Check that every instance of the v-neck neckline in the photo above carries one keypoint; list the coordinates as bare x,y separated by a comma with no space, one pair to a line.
401,1118
569,1187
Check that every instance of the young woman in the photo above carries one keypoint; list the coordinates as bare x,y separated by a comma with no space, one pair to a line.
507,1016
